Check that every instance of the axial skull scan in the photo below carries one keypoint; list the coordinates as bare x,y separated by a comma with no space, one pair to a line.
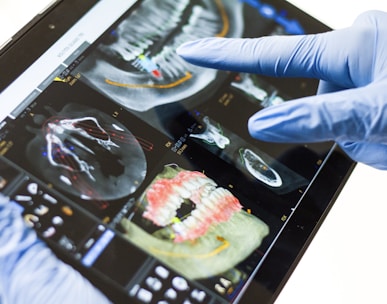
87,153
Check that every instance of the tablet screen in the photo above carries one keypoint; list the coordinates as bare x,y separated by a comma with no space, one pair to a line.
138,168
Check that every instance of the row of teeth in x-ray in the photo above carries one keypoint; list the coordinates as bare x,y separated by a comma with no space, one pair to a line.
149,25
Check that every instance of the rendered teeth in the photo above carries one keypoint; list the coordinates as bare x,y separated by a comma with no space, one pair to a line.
190,222
191,185
207,190
213,205
184,193
215,195
206,205
179,228
197,215
175,200
219,193
201,181
168,212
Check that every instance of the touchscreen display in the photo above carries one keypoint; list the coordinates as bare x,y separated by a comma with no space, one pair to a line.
139,166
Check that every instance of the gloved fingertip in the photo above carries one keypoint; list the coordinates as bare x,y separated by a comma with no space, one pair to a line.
259,126
185,49
371,154
193,48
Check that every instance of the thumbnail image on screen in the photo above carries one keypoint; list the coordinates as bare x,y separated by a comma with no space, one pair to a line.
198,228
136,61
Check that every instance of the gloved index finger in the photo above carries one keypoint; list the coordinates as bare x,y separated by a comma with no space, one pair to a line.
280,56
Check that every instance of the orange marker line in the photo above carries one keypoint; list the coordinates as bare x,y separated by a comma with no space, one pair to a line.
187,76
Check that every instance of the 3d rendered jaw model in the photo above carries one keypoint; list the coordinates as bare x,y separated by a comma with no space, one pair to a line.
194,226
87,153
137,60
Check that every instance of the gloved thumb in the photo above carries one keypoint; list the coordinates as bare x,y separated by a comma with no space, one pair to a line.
372,154
354,115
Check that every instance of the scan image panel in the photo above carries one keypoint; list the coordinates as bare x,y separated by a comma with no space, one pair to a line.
254,163
257,90
86,153
193,225
136,64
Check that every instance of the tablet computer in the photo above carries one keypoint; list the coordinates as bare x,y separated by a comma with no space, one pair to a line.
137,168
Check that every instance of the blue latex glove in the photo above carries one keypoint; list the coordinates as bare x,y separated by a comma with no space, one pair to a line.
351,105
30,272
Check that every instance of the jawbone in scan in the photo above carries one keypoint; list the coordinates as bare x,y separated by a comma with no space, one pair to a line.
87,153
193,225
212,134
136,64
254,87
214,137
258,168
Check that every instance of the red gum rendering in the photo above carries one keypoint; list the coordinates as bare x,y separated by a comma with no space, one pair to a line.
159,193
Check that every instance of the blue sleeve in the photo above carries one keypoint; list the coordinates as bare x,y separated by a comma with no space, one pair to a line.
30,272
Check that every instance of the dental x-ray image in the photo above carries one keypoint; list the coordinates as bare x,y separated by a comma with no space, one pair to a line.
136,64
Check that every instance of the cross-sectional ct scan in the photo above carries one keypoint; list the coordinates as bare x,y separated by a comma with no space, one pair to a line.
255,164
73,146
136,64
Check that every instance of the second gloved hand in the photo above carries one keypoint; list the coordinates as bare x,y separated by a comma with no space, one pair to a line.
351,105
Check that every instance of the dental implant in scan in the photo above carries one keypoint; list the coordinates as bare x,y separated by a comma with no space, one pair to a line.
136,65
190,223
86,153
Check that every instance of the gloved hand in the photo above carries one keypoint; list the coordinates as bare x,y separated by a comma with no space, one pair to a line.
351,105
30,272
